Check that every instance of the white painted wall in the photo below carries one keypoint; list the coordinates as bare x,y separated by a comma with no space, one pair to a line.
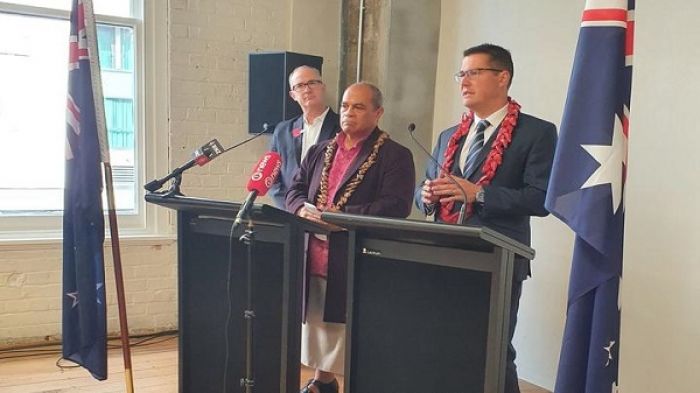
660,344
316,31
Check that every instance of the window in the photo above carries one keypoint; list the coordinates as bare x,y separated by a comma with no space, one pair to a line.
32,107
125,8
119,113
116,48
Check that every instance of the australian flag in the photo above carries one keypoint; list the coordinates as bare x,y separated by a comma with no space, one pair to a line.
84,305
586,191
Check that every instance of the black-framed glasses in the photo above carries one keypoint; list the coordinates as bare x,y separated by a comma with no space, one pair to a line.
310,84
473,73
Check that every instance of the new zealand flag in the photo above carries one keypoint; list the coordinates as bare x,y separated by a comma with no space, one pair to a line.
586,191
84,305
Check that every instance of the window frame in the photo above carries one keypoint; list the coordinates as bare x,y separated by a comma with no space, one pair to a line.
150,66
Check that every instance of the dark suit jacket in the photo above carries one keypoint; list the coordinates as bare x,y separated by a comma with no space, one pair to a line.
386,190
518,189
289,148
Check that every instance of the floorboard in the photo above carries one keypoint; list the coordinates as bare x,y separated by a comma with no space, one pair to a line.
154,370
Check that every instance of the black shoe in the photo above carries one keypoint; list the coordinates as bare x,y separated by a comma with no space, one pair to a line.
330,387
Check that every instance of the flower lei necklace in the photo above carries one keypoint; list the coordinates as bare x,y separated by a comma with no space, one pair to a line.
322,200
493,160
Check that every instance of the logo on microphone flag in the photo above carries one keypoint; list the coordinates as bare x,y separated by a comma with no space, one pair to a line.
84,303
586,191
265,170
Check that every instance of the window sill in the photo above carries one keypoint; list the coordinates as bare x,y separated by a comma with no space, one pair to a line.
53,240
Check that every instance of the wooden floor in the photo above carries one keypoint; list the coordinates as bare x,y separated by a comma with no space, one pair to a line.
154,369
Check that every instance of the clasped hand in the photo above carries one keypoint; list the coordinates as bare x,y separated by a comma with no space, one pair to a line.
444,190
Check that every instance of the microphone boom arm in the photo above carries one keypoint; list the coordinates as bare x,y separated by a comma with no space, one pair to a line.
155,185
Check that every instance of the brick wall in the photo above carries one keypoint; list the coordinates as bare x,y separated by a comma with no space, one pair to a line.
30,290
209,42
209,45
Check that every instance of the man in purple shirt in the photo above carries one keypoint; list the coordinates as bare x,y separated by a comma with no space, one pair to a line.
360,171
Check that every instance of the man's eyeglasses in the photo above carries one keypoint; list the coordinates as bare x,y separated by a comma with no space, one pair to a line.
473,73
310,84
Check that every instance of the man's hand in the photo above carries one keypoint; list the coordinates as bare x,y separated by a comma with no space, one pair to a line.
427,195
309,214
315,216
447,191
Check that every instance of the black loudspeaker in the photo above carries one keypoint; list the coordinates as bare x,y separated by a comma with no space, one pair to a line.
268,87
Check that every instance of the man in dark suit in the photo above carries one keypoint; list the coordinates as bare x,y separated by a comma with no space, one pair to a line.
360,171
500,159
292,138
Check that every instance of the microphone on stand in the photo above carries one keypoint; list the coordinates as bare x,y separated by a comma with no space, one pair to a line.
208,152
411,129
200,157
264,174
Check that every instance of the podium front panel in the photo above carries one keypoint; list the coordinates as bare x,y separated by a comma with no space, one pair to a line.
424,317
436,334
204,251
205,287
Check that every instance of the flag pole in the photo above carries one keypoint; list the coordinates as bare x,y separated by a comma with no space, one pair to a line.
98,100
118,278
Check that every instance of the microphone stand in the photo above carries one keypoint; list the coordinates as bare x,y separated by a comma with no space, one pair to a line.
248,238
461,218
248,381
174,189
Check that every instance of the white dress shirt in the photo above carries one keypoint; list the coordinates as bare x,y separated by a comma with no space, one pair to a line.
311,132
495,119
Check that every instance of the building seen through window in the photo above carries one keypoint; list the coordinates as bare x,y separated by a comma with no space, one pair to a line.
34,66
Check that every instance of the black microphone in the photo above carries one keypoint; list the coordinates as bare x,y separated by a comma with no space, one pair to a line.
200,157
411,128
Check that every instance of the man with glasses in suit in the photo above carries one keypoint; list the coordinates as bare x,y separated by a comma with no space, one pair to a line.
292,138
500,160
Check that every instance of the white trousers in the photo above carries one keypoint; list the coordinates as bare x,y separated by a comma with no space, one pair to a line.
322,343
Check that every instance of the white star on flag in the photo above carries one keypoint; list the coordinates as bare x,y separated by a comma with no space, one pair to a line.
612,160
74,296
608,349
97,289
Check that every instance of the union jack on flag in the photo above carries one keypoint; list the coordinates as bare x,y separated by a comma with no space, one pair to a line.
83,297
586,191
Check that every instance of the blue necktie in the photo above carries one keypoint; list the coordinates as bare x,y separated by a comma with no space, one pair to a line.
476,146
